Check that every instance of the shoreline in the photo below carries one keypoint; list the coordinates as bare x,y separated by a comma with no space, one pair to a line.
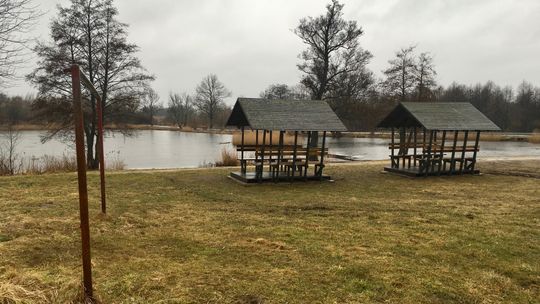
532,137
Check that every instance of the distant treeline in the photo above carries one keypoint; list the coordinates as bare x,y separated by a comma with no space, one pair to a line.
513,110
16,110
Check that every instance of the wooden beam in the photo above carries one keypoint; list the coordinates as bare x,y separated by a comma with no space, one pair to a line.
453,157
307,155
271,152
261,167
476,142
415,142
294,153
392,150
441,154
256,143
321,164
427,159
280,155
242,164
463,150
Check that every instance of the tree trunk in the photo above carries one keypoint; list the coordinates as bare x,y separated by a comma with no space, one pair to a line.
92,161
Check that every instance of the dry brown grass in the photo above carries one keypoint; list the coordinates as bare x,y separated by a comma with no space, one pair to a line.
228,158
488,136
250,138
51,164
535,138
195,236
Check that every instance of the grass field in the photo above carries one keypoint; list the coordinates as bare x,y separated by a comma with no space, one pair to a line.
194,236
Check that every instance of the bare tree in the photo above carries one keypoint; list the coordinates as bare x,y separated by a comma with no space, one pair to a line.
333,50
151,99
210,97
400,76
10,160
283,91
277,91
425,77
16,18
180,108
88,33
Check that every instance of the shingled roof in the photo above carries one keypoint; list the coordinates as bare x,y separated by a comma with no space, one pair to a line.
450,116
285,115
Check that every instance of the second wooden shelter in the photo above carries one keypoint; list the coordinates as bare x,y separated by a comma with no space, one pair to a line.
272,157
434,138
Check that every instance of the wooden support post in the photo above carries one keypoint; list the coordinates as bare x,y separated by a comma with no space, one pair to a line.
262,157
271,151
463,150
392,143
441,154
294,153
321,164
476,142
242,163
256,144
415,144
427,160
424,140
83,189
280,155
453,157
402,141
256,151
307,155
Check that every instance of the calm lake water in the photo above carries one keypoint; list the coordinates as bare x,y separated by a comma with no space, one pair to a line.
170,149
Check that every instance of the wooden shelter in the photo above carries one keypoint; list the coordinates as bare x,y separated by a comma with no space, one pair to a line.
270,157
435,138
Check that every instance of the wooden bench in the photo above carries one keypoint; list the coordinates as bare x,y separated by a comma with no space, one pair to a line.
289,159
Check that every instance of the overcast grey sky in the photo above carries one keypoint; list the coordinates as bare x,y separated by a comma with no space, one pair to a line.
249,44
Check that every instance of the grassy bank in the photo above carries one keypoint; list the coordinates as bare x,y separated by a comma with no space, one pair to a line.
114,127
486,136
194,236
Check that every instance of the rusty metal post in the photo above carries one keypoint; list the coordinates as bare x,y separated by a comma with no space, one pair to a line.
101,155
99,111
81,173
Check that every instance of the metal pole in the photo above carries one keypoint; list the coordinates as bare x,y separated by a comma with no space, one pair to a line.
81,173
